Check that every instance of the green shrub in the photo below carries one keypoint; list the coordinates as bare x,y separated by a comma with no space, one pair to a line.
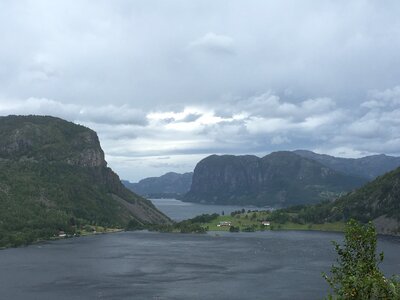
357,275
234,229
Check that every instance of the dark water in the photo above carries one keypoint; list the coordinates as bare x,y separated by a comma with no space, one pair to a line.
143,265
178,210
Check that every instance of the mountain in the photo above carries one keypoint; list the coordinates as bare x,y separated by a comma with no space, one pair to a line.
280,178
168,185
377,201
368,167
53,176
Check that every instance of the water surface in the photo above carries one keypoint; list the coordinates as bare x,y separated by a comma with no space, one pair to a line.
178,210
144,265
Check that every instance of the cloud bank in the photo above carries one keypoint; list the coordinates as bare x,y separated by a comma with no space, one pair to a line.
260,124
179,79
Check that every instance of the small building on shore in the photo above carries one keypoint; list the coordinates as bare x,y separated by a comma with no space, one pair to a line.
224,223
62,234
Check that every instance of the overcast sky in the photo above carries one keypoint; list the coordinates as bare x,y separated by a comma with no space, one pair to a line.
166,83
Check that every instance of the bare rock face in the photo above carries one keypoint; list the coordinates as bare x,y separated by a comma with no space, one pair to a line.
91,155
387,225
280,178
88,158
40,138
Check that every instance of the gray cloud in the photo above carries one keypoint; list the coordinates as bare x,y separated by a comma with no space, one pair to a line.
131,53
259,124
214,43
183,79
102,114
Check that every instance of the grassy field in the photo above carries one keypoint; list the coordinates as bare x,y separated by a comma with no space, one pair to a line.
251,221
98,230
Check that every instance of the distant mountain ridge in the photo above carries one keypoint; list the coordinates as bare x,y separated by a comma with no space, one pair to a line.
280,178
174,185
53,176
170,184
368,167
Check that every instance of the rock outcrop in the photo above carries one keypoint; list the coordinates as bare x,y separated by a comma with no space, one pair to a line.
49,139
280,178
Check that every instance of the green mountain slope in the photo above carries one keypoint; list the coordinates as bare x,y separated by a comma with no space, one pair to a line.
53,177
280,178
377,201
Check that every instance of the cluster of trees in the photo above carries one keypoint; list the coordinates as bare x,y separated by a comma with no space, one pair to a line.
238,212
243,211
234,229
194,225
37,200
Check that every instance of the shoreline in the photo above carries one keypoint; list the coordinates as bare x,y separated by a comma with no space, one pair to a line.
58,238
213,232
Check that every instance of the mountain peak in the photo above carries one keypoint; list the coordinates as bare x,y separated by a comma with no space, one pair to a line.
45,138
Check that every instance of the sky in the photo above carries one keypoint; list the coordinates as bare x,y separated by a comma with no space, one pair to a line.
166,83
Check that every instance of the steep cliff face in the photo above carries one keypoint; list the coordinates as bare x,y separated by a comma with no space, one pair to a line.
49,139
281,178
53,171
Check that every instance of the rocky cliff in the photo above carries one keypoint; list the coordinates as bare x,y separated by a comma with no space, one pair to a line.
48,139
53,171
280,178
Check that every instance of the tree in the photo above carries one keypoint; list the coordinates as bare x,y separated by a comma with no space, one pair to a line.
234,229
357,275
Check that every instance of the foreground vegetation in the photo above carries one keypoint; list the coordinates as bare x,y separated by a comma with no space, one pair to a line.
357,275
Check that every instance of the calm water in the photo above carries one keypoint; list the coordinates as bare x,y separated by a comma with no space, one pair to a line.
178,210
143,265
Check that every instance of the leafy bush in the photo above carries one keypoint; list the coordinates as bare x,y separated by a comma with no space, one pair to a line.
234,229
357,275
